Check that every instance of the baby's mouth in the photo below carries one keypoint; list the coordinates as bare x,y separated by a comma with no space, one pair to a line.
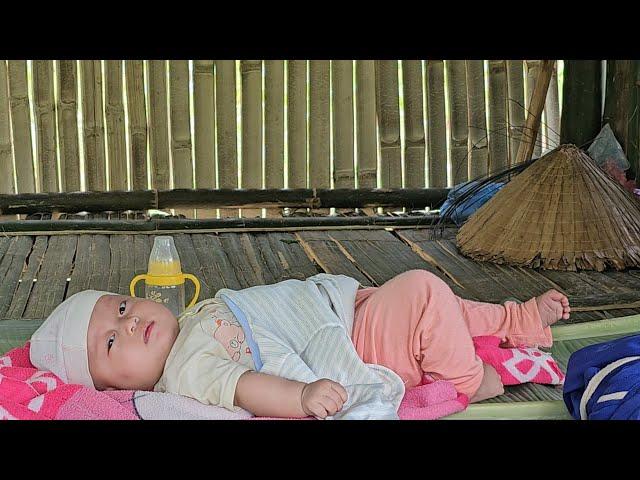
147,332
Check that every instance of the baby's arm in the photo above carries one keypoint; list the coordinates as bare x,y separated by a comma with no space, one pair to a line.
270,396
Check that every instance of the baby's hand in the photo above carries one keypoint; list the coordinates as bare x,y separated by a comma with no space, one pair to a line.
323,398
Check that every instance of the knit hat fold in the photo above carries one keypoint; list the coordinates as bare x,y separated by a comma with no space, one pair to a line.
60,343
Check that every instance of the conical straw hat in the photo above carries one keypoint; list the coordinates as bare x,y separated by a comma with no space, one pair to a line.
561,213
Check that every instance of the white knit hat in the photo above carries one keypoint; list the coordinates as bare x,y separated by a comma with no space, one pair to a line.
60,344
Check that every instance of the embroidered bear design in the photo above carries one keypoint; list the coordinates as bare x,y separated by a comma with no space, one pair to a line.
230,336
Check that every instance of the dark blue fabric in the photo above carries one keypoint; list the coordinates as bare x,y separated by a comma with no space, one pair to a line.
586,362
471,204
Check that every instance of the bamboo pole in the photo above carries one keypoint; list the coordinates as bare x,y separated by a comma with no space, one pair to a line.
93,126
515,104
319,126
436,121
134,72
342,78
414,135
251,71
114,112
534,113
6,154
459,139
581,102
274,127
388,109
158,124
45,125
68,125
297,123
180,126
552,112
226,126
205,133
498,152
477,120
21,123
533,69
367,143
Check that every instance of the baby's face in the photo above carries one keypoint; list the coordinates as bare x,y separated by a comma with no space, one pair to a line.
128,342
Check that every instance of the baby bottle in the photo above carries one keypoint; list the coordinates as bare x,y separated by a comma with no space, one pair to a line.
164,280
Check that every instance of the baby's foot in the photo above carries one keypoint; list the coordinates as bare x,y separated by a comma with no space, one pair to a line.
553,306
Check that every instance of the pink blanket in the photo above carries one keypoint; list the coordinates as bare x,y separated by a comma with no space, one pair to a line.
27,393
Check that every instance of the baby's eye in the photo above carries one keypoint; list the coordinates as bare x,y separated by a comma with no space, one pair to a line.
122,307
110,341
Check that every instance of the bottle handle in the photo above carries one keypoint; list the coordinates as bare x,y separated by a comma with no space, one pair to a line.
136,279
196,282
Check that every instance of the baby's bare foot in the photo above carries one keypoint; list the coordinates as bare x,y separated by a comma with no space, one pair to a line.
553,306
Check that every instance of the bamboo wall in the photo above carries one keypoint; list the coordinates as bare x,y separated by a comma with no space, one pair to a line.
121,125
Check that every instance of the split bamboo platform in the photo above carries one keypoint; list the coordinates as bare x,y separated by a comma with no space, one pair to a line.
40,270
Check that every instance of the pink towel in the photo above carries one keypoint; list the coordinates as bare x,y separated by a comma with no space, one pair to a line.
431,400
518,365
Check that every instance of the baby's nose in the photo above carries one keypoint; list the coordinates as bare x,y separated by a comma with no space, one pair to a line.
132,323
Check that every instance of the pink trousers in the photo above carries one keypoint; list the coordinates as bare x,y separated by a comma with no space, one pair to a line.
414,324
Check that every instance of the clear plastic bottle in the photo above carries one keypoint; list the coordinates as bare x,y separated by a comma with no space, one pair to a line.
164,280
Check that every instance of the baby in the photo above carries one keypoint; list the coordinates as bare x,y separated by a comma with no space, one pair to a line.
411,326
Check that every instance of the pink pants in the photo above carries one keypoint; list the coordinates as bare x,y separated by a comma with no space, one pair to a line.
414,324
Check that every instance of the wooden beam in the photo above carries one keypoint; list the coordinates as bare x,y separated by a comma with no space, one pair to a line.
581,102
227,198
77,227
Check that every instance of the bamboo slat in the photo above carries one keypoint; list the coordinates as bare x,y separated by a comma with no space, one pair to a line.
319,124
21,126
68,125
226,127
204,111
342,85
515,106
251,71
414,149
436,125
274,126
459,142
498,154
134,70
158,125
388,107
478,143
7,183
297,123
366,124
114,112
533,68
93,126
6,154
180,126
552,113
45,125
